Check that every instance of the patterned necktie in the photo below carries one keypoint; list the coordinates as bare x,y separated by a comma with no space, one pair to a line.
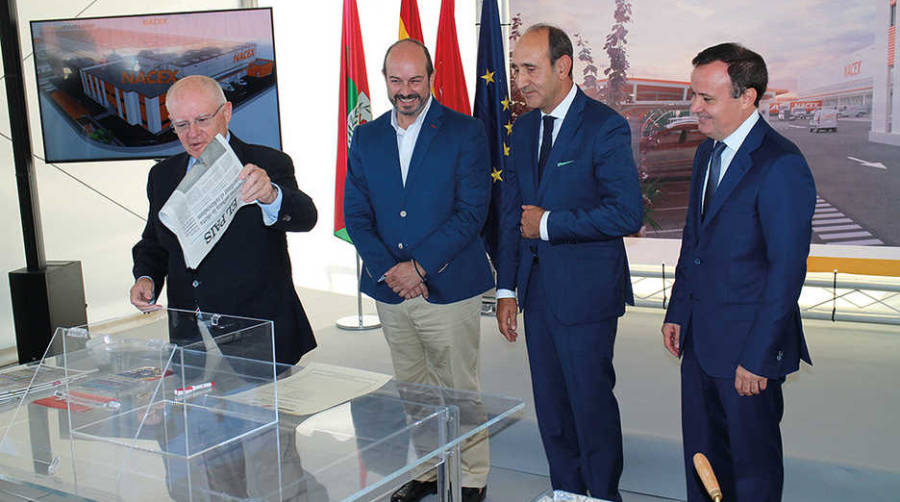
546,144
715,171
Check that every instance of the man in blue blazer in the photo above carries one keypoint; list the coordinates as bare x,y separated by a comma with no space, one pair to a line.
415,200
742,264
571,192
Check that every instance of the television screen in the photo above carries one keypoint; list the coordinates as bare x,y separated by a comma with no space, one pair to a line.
102,81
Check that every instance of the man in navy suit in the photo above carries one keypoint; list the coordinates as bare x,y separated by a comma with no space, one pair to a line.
416,197
571,193
248,272
739,275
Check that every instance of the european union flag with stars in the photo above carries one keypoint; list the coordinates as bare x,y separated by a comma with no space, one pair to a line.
492,107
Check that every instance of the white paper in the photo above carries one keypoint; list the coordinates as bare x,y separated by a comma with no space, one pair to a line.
314,388
203,205
34,378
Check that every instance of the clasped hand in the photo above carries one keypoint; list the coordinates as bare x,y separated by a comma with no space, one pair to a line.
530,223
403,279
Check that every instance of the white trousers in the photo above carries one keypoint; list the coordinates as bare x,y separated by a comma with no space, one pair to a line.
438,345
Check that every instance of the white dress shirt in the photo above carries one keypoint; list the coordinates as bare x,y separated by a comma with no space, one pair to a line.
406,138
732,143
406,141
560,114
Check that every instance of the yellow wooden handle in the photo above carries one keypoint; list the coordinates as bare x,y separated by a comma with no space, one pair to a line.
705,471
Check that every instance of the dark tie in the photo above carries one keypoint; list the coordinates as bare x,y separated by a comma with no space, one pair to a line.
715,170
546,144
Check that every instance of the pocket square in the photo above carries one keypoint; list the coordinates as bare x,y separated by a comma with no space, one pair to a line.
560,164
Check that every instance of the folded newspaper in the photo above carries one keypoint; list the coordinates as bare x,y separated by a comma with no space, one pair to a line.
201,208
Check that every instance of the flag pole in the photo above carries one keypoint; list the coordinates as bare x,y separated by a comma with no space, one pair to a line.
492,107
359,322
353,109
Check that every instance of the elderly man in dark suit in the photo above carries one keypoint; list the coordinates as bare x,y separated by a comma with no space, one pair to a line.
734,317
248,272
571,194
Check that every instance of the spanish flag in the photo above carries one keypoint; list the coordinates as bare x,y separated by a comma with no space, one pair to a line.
449,79
354,106
410,27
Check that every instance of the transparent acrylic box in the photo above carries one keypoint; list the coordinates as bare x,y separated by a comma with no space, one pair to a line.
97,420
151,405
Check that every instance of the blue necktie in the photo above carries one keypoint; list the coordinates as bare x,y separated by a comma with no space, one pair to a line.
546,144
715,170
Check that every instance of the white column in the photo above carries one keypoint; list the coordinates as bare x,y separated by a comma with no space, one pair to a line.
154,124
882,105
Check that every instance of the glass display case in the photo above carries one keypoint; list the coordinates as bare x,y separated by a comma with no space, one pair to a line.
178,405
114,408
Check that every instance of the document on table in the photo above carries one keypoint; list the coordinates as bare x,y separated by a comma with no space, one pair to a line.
203,205
34,378
315,388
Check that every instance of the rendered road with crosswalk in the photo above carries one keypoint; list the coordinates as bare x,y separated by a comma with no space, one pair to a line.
858,184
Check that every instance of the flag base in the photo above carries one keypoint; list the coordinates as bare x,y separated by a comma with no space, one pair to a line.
359,322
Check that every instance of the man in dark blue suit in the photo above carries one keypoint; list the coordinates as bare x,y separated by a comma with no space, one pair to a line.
739,275
571,193
416,197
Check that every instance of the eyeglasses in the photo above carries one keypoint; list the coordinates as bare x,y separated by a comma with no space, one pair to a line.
201,121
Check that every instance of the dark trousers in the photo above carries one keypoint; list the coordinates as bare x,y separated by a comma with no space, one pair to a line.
573,378
740,435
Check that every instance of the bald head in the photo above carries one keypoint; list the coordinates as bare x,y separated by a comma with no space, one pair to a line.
542,66
409,48
198,111
195,85
557,42
409,76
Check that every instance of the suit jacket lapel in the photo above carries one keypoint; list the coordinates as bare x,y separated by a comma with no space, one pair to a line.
567,133
180,169
238,146
386,135
430,127
528,172
740,163
704,151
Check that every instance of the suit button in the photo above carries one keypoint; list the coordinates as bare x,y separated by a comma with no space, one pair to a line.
403,214
195,283
400,245
779,356
697,261
286,217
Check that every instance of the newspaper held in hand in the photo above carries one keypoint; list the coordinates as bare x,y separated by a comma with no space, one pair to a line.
201,208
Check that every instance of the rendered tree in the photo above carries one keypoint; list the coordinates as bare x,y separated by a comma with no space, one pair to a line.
517,99
616,93
514,27
589,83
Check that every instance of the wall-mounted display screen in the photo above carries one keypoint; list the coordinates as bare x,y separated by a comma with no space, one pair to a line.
102,81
